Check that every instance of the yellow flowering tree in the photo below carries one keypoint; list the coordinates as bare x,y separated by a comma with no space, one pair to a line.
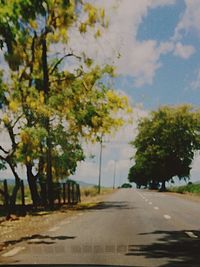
52,108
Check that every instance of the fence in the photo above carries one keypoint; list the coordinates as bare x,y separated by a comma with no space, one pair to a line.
63,193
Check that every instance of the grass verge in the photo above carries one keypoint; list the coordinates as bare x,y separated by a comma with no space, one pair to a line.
189,188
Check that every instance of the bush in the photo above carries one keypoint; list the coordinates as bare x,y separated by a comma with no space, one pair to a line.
126,185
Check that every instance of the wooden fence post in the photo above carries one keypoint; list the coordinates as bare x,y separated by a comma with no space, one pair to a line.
73,193
22,192
79,193
59,193
64,193
68,193
76,193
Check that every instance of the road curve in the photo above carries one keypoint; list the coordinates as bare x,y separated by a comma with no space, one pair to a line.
131,228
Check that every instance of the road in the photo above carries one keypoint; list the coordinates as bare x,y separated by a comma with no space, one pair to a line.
131,228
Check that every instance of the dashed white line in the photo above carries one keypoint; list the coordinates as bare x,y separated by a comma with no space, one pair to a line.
150,203
167,217
191,234
13,252
156,208
141,195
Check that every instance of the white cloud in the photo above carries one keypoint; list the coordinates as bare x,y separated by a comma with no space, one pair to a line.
183,51
195,85
141,62
166,47
189,20
139,59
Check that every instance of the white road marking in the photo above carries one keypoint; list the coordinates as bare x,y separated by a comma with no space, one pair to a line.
156,208
150,203
167,217
53,229
13,252
191,234
140,195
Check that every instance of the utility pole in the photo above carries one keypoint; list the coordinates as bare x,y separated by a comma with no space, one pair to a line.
114,175
100,163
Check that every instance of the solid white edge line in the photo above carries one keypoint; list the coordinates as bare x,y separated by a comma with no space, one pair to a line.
191,235
53,229
13,252
167,217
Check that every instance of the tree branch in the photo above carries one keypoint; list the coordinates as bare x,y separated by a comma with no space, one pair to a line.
5,151
32,58
17,120
61,59
9,128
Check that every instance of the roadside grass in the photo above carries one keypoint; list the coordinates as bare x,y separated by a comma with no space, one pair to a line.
189,188
90,198
93,191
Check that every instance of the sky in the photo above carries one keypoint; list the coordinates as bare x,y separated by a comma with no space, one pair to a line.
155,47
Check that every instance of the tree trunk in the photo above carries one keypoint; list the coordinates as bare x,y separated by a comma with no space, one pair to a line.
154,185
13,196
47,123
163,187
32,185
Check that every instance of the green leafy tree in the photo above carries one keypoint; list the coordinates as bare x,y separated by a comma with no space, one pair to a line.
166,143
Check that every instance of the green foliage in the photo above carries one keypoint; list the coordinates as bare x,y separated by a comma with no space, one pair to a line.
189,188
165,144
136,175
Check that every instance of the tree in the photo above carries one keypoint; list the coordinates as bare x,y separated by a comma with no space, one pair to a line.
137,175
52,109
165,144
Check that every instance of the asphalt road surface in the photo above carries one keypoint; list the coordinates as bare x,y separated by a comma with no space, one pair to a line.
131,228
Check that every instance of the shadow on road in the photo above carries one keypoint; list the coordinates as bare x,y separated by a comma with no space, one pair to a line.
109,205
38,239
175,246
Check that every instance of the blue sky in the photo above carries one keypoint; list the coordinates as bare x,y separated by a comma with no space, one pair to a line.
173,81
159,46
